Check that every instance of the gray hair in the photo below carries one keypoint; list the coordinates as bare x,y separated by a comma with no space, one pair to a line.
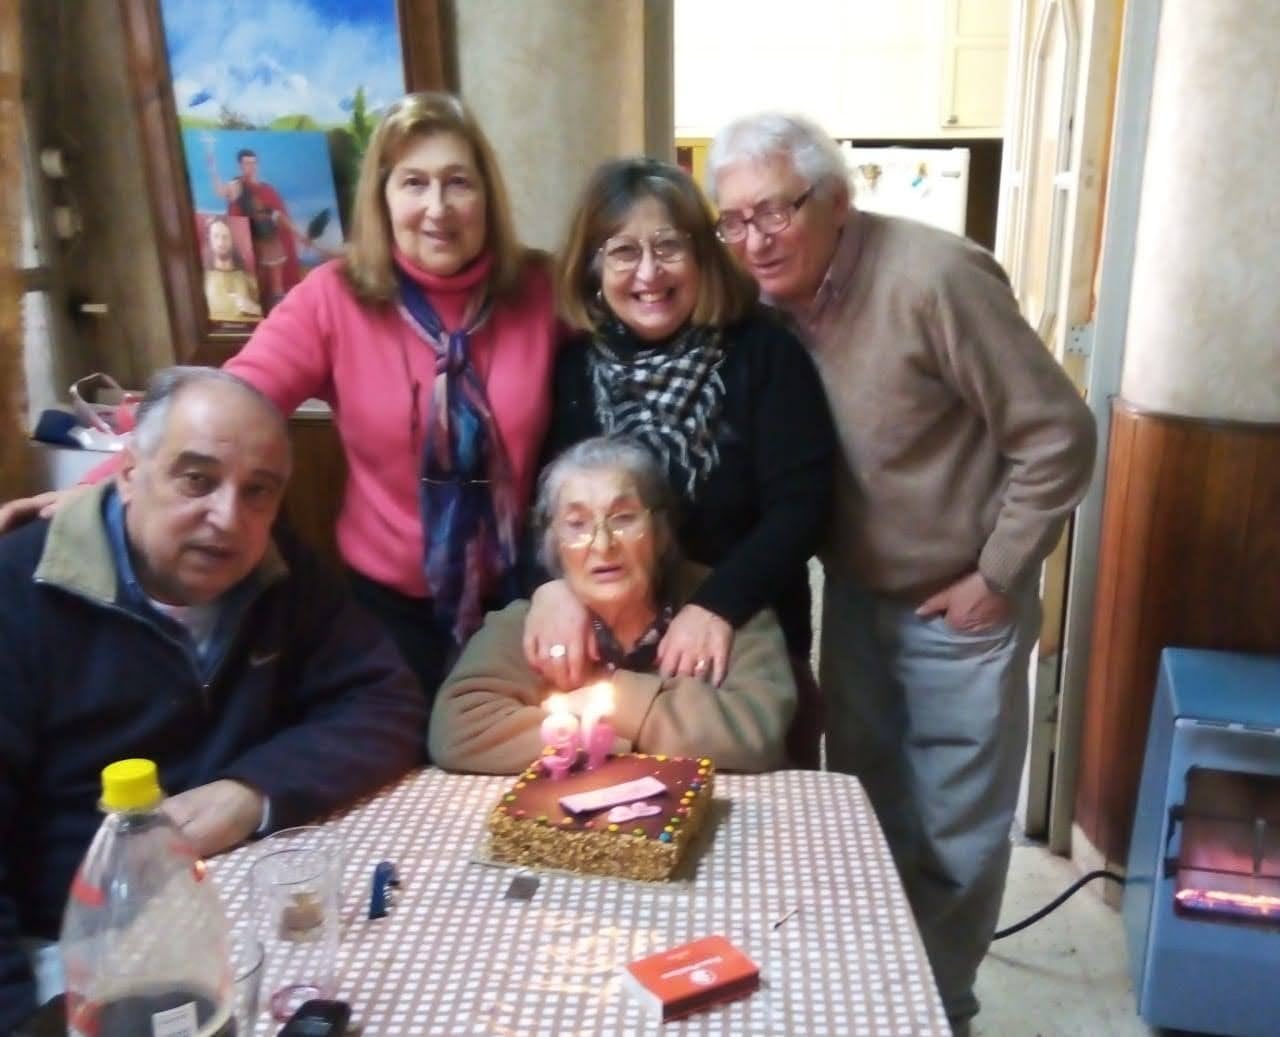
757,138
607,454
168,384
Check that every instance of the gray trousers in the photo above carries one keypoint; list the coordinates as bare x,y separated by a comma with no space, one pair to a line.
933,722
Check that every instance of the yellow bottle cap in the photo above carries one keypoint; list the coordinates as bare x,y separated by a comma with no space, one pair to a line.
130,785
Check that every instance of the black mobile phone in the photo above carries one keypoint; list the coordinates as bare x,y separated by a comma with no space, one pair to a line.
318,1019
49,1020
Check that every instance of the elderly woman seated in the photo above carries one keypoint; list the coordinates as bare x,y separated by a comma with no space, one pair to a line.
604,512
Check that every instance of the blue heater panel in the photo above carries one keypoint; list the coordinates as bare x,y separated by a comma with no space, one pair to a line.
1215,723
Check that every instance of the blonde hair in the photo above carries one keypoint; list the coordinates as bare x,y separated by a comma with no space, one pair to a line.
725,292
369,266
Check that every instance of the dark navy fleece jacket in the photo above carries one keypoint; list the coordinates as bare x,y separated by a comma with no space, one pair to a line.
308,702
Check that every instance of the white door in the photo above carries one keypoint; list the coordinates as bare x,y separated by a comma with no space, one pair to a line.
1057,130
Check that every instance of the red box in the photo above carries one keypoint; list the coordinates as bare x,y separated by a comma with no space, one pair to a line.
694,975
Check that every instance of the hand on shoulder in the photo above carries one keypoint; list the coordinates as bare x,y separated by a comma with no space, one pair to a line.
21,510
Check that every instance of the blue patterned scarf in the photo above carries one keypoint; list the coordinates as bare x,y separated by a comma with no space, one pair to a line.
467,493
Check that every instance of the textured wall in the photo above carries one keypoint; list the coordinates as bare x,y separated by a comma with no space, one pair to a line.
1204,323
79,102
559,85
13,475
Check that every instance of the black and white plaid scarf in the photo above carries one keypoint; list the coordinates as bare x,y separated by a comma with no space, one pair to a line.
666,395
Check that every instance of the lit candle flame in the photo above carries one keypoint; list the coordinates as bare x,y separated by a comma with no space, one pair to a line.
602,699
557,703
599,704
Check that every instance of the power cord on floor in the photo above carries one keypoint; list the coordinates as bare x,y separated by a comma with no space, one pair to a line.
1058,901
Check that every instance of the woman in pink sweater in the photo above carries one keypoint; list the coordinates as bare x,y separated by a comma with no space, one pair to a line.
433,341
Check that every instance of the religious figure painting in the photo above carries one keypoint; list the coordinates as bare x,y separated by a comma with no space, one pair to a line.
230,270
279,183
323,69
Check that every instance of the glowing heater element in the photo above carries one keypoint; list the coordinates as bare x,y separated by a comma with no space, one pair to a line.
1220,902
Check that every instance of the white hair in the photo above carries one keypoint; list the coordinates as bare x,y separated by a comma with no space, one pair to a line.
167,384
618,454
757,138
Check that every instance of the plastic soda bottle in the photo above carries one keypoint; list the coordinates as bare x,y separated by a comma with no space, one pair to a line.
144,938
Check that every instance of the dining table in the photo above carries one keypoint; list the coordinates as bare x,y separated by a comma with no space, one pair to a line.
793,870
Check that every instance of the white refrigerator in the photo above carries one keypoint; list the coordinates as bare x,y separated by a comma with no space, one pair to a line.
926,184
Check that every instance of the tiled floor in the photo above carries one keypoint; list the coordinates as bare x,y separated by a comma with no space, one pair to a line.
1065,976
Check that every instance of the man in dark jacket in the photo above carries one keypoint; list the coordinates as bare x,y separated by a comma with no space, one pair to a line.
155,617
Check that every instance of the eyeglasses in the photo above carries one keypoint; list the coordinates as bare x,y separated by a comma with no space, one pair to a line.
623,254
580,531
768,219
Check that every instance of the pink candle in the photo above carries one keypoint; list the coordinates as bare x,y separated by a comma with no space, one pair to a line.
559,736
556,766
597,727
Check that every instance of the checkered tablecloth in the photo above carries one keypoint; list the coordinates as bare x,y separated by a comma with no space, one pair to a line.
455,957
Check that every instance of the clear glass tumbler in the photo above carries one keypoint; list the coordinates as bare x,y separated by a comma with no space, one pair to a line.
295,903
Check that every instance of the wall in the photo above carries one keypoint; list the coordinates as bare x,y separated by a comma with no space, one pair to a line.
1190,548
561,85
13,469
1204,322
862,68
78,100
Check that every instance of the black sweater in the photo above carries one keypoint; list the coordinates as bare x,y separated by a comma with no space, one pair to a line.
760,514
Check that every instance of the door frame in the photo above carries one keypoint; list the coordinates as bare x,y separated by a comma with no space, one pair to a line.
1092,30
1124,193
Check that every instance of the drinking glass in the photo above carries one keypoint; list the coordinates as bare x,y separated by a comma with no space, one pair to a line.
295,898
247,960
324,838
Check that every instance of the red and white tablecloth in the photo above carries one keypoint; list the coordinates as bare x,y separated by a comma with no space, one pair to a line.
455,958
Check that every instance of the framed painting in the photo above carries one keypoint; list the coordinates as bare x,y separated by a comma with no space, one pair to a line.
254,116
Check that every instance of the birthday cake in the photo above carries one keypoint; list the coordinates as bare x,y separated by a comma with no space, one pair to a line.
633,816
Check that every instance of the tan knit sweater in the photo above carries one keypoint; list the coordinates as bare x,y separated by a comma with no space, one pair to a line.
488,713
964,443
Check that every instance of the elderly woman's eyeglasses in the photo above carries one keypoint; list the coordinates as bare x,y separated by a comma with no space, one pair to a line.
580,530
767,219
623,254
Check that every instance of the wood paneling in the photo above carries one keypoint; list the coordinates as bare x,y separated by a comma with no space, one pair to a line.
314,496
1190,556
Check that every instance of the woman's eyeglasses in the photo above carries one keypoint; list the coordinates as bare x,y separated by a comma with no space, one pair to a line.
770,218
623,254
578,531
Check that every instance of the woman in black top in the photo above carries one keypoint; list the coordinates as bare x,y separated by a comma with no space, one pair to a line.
674,350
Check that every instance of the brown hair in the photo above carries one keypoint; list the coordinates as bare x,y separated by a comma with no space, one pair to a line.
369,264
726,293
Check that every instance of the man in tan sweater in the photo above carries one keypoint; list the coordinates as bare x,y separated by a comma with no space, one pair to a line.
965,448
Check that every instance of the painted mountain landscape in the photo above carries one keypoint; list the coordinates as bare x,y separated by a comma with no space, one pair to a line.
319,66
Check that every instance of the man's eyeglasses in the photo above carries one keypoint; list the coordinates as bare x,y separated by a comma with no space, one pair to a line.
580,531
623,254
767,219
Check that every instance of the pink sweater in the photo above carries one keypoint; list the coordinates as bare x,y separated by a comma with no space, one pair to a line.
321,342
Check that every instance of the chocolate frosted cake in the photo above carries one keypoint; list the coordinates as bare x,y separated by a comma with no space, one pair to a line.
557,822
